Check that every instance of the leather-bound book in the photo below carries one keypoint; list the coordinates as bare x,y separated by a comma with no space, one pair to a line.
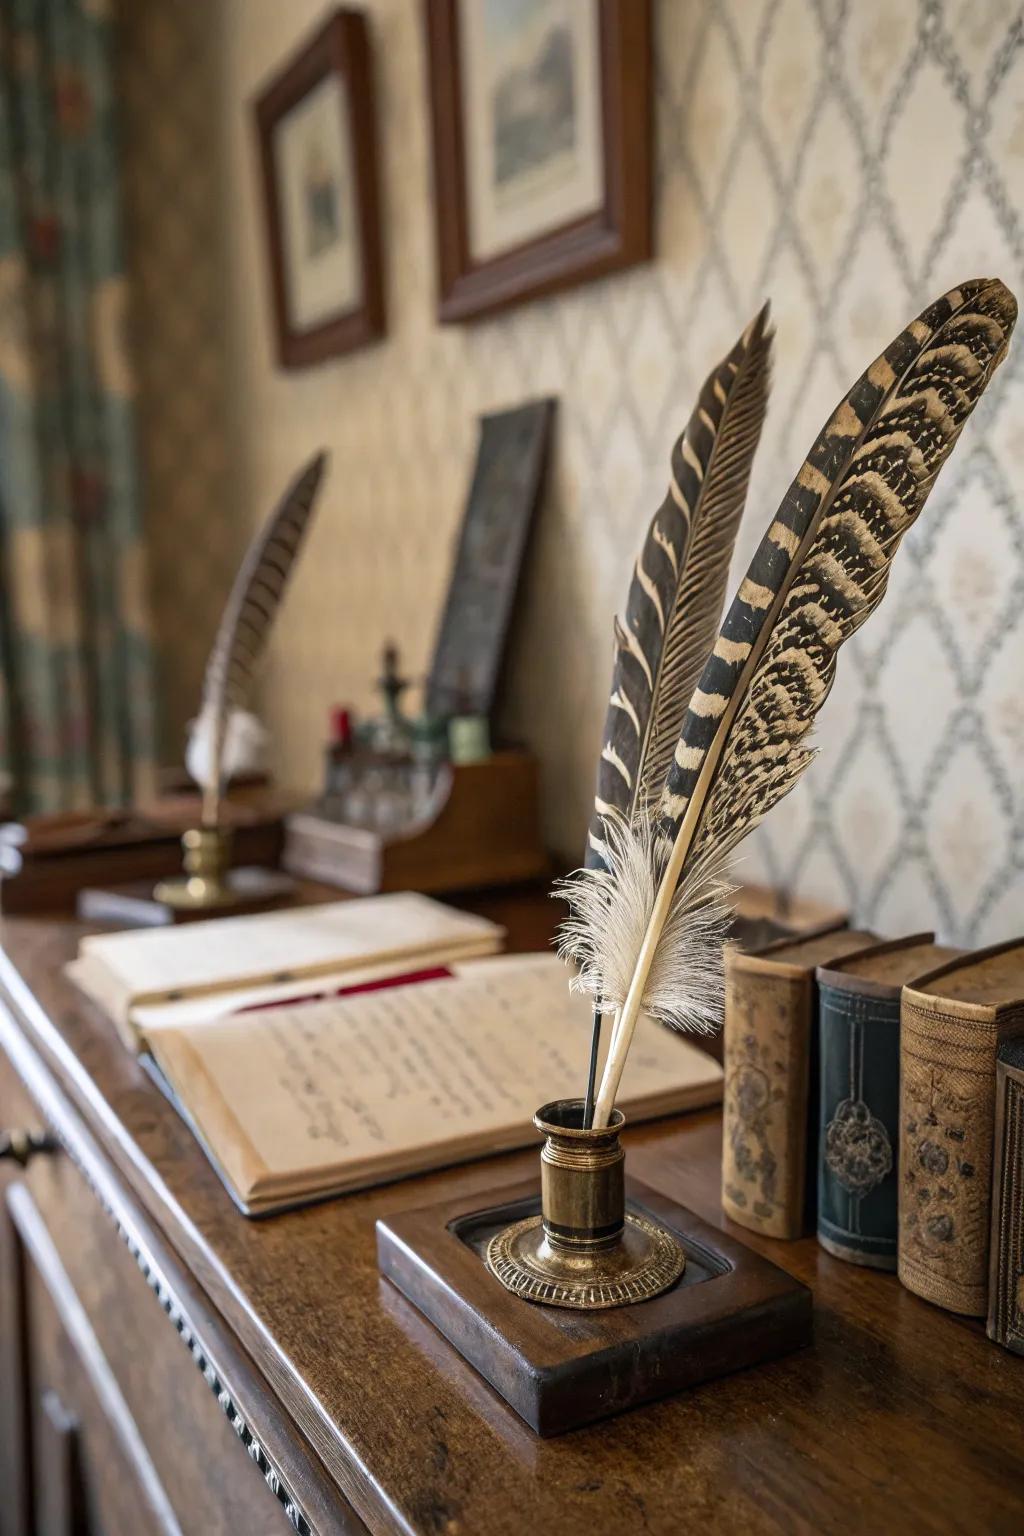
859,1030
1006,1259
953,1023
771,1076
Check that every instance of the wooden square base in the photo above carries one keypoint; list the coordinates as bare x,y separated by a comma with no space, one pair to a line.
560,1369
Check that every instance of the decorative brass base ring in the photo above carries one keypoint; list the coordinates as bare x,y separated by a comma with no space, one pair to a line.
644,1263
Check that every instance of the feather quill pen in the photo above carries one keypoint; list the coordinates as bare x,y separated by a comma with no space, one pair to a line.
819,573
678,588
250,611
675,599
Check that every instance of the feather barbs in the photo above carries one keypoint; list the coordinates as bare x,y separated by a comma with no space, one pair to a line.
678,585
685,988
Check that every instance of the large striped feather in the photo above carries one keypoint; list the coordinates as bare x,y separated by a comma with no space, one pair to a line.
819,573
823,566
678,586
251,608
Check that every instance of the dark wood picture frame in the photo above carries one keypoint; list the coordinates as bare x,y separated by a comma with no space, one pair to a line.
617,235
340,46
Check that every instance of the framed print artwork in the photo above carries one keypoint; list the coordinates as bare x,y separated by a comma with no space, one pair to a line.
317,138
541,120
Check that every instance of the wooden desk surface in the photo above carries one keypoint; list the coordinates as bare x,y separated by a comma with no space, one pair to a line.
900,1417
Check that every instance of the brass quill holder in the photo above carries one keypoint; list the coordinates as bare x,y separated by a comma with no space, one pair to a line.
206,884
584,1249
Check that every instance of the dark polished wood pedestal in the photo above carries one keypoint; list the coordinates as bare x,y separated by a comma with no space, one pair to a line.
166,1365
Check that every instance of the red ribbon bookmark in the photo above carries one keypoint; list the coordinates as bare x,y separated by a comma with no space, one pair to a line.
407,979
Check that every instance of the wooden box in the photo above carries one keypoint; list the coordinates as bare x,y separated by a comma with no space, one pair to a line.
483,830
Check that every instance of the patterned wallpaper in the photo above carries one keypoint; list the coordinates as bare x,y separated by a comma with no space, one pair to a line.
169,63
849,160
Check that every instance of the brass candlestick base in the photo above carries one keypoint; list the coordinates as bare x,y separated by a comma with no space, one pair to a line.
206,884
583,1250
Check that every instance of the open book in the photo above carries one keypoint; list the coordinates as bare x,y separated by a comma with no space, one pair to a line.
324,1049
147,978
309,1099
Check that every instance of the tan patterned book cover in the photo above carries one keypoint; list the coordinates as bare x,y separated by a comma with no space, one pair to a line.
952,1024
770,1059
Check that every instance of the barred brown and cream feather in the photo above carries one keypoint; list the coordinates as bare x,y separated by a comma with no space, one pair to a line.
251,608
819,573
824,563
678,587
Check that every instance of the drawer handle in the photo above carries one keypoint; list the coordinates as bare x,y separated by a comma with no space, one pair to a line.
20,1145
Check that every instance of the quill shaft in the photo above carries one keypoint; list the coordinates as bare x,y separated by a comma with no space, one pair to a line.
595,1051
625,1024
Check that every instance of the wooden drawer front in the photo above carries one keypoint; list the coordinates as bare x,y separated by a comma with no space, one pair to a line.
216,1436
192,1471
91,1473
16,1111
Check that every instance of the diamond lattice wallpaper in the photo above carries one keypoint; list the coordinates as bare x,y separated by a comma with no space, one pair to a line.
849,160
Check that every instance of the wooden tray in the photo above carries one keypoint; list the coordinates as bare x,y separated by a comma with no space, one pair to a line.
560,1369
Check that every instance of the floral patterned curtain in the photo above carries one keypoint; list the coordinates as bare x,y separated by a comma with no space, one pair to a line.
76,679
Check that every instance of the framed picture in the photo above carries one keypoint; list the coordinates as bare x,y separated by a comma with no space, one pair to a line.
541,119
317,139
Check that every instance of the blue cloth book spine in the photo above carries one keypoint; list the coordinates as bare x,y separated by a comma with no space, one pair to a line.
859,1120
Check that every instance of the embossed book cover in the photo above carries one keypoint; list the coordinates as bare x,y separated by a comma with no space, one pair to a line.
952,1025
771,1077
858,1127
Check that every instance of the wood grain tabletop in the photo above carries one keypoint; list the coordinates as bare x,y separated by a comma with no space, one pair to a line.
899,1417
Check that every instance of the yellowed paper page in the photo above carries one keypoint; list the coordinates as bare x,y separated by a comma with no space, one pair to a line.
352,1090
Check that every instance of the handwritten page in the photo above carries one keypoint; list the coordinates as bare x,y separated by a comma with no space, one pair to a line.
347,1091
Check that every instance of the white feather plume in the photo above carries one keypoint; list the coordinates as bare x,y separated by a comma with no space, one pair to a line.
602,937
246,740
